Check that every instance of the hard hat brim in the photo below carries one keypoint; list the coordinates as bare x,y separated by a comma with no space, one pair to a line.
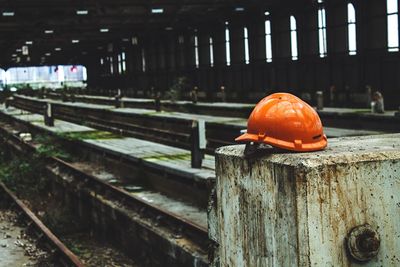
246,137
315,146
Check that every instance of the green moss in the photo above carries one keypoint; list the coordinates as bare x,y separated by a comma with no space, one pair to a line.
185,156
37,121
95,135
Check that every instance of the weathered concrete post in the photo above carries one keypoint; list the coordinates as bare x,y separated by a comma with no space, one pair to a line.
193,95
320,100
7,102
119,103
48,115
223,94
337,207
397,113
157,102
198,143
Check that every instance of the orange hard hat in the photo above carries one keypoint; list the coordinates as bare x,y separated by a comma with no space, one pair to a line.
285,121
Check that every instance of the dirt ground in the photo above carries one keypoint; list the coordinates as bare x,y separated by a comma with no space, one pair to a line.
16,248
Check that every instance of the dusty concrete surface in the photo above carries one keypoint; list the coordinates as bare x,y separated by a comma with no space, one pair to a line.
273,208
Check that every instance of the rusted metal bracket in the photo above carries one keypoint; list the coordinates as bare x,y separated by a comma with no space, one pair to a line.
363,243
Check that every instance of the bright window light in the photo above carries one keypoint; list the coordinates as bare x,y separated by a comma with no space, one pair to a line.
227,45
48,31
75,41
143,60
268,41
119,64
48,54
196,51
28,42
57,49
352,33
157,10
8,14
392,25
211,52
322,32
82,12
392,6
123,58
104,30
110,60
246,45
239,9
293,38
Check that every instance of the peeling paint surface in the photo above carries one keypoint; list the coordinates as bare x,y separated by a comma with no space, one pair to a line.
274,208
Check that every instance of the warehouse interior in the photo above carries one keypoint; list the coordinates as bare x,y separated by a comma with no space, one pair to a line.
199,133
137,46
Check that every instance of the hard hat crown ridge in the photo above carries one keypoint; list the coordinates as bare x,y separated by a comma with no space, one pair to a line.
285,121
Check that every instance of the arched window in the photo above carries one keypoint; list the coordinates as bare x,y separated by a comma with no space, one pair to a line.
123,58
268,41
211,52
293,38
352,34
227,44
196,51
322,31
110,61
246,45
392,25
119,63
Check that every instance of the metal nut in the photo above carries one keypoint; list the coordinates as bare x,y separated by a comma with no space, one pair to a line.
363,243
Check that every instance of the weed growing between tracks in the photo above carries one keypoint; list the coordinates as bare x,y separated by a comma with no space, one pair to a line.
49,147
25,175
22,174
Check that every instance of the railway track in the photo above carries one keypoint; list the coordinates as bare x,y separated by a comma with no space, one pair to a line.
167,226
60,254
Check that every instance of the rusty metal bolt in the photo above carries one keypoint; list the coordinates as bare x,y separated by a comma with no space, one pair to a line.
363,243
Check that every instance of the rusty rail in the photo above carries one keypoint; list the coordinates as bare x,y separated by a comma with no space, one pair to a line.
171,219
67,257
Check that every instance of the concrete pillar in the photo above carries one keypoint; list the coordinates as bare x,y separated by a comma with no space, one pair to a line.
171,52
237,44
190,59
272,208
204,48
219,45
